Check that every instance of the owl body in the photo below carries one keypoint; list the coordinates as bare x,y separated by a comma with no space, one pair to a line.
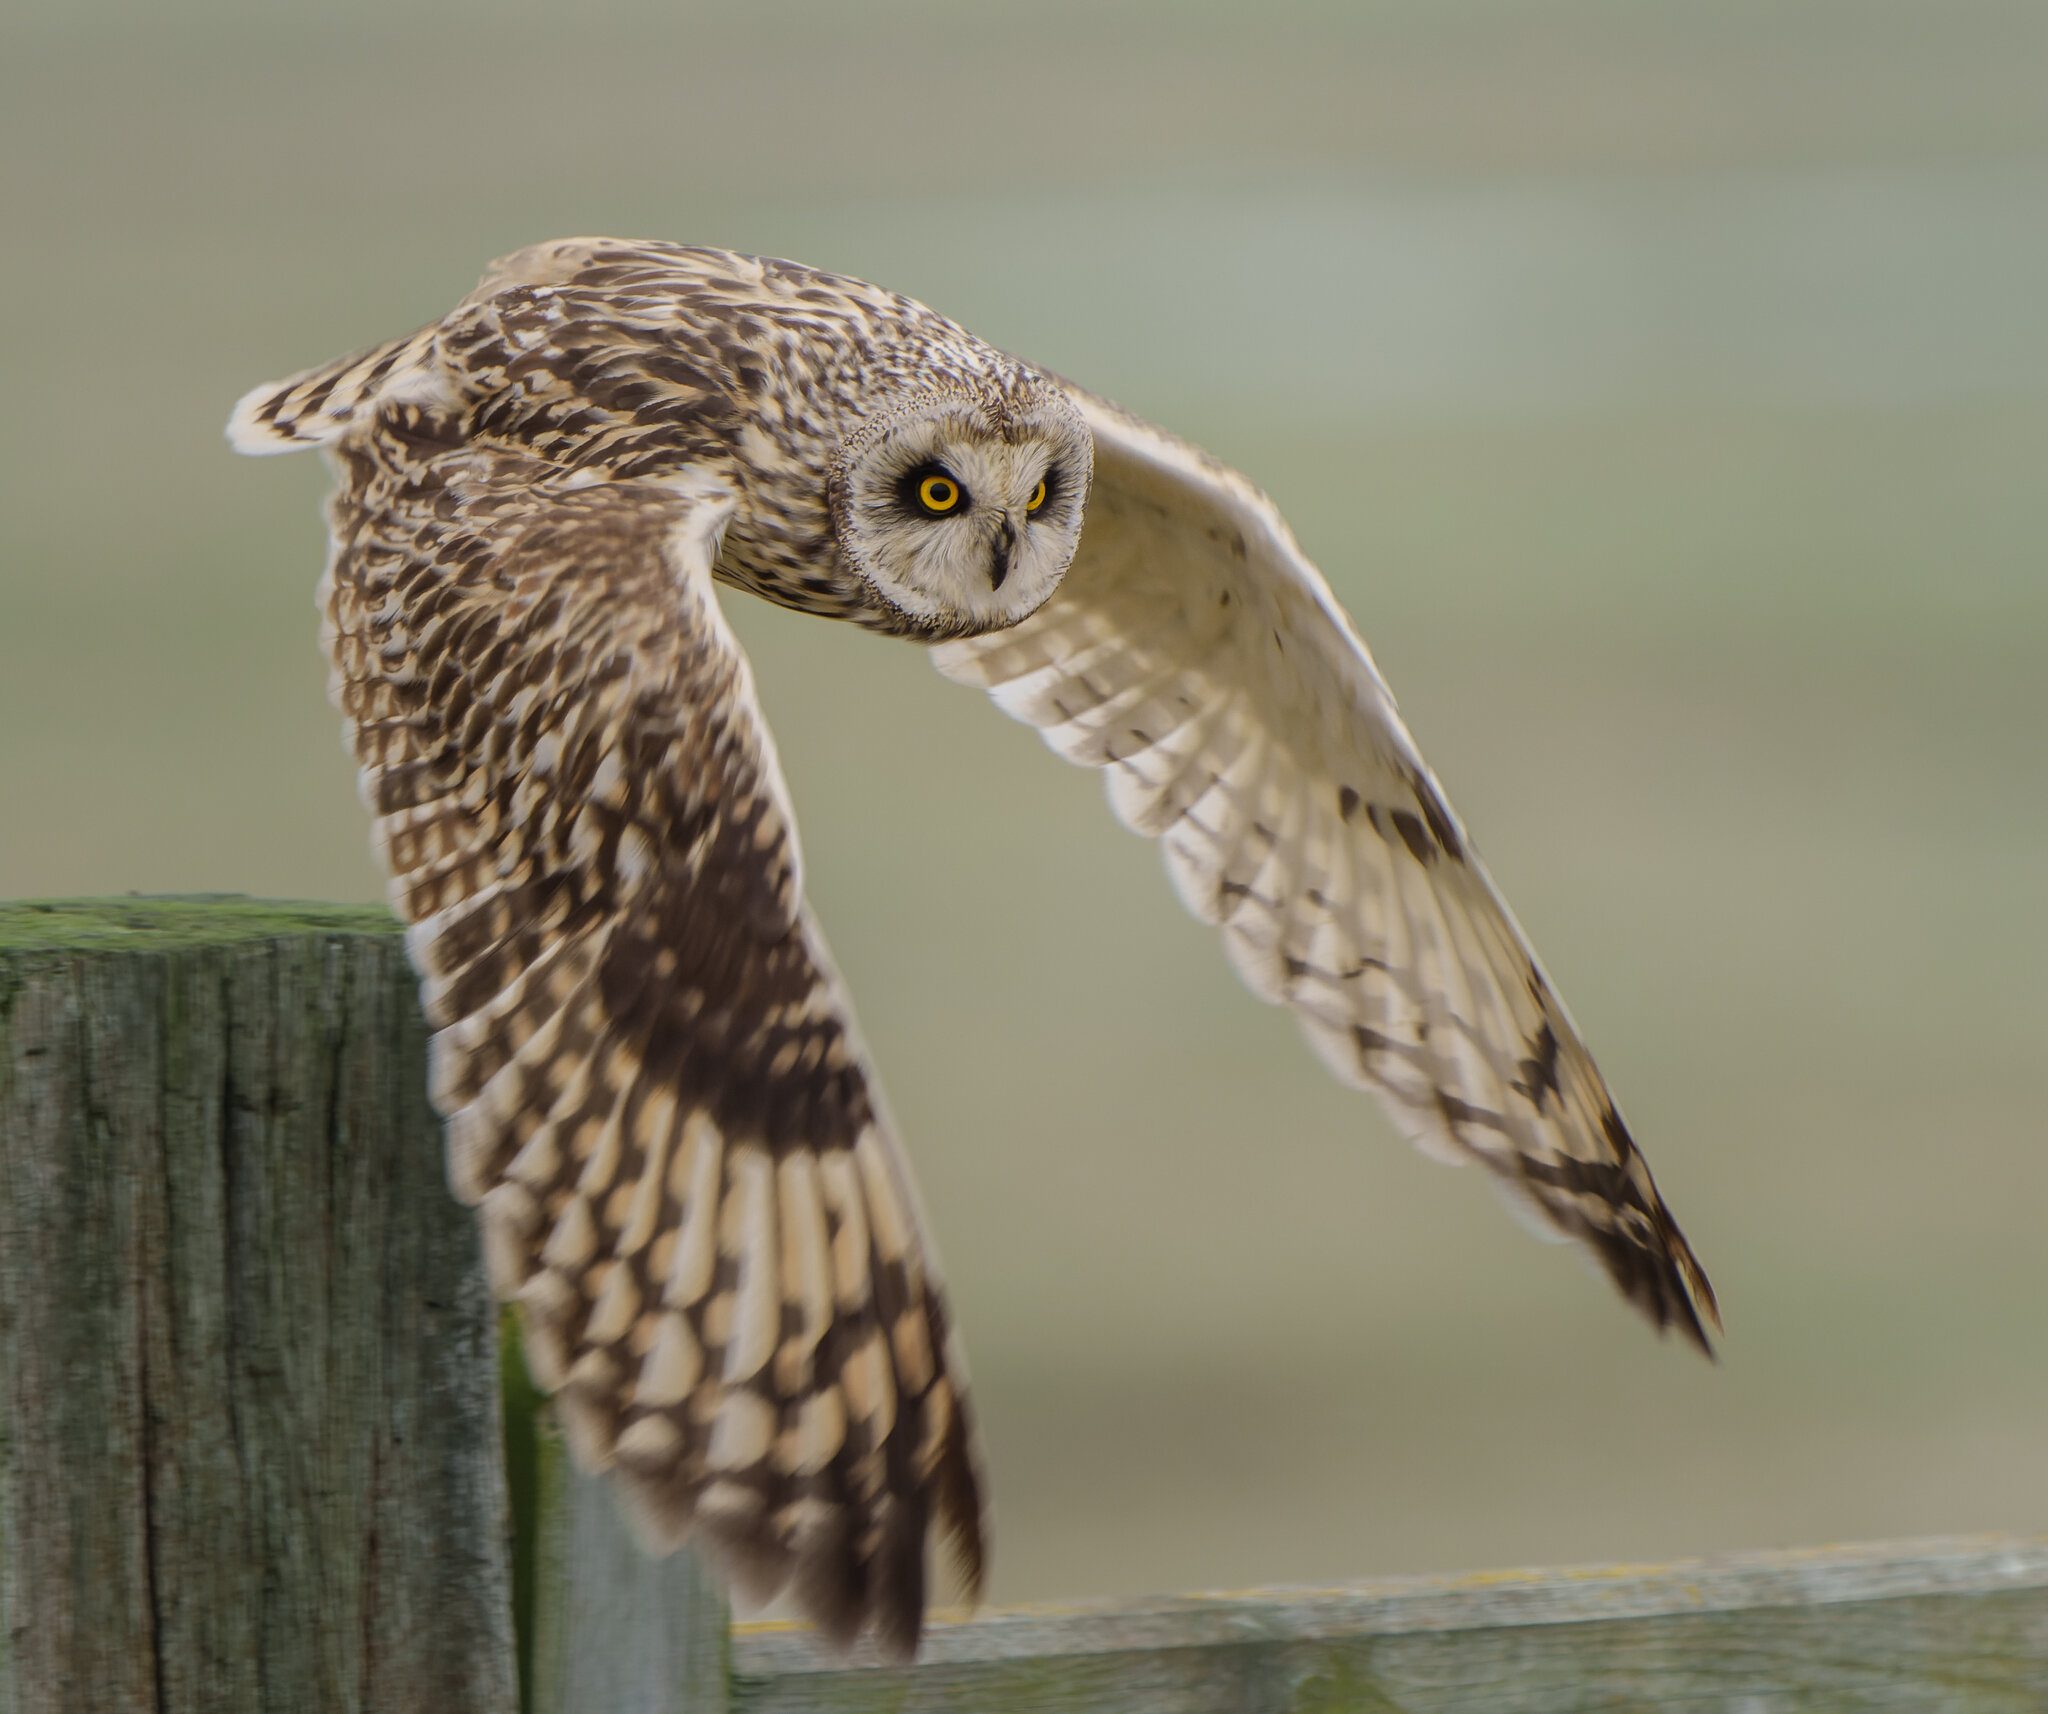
655,1091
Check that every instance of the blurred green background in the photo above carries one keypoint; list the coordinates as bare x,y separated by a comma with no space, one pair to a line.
1665,388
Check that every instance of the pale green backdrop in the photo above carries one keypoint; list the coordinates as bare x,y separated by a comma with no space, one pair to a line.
1665,387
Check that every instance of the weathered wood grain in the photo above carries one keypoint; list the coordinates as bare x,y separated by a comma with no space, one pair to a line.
1956,1626
248,1367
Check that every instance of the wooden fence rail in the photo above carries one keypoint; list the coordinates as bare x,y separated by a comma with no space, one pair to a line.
255,1454
1932,1625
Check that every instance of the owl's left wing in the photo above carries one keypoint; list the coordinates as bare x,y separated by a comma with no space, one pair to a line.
652,1077
1198,657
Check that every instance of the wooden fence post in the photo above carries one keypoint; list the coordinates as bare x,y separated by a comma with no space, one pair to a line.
617,1632
249,1417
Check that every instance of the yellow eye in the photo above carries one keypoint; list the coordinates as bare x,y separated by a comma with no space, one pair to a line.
1037,497
938,495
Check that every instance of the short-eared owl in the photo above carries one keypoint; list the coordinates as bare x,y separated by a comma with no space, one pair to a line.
653,1083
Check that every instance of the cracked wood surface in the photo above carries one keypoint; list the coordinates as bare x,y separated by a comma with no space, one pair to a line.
249,1419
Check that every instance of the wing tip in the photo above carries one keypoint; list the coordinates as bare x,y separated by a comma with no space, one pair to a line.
1674,1292
253,428
1702,1308
319,405
961,1497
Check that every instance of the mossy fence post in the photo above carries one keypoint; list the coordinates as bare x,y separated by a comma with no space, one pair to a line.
250,1428
248,1372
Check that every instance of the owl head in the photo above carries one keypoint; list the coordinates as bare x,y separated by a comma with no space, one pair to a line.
960,508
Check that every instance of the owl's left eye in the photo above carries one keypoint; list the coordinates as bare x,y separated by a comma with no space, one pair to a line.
1037,497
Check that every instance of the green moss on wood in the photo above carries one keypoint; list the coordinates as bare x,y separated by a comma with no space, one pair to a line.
175,922
523,1404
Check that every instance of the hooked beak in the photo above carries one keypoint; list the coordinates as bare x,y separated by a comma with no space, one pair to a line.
1004,555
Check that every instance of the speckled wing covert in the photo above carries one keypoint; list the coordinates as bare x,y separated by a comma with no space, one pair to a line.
1196,656
652,1079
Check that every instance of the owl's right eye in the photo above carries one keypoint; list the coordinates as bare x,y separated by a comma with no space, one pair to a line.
935,492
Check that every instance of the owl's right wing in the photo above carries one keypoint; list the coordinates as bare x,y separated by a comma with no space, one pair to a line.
652,1079
1197,657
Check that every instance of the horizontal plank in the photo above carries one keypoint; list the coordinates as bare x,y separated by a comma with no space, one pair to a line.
1952,1624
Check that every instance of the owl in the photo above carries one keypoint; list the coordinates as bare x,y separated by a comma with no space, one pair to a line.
654,1088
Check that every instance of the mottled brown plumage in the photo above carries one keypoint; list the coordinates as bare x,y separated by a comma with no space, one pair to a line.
653,1083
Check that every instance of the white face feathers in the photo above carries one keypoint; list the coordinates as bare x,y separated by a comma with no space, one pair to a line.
963,513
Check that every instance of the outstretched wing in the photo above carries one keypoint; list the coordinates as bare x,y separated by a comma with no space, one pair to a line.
1196,656
652,1080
